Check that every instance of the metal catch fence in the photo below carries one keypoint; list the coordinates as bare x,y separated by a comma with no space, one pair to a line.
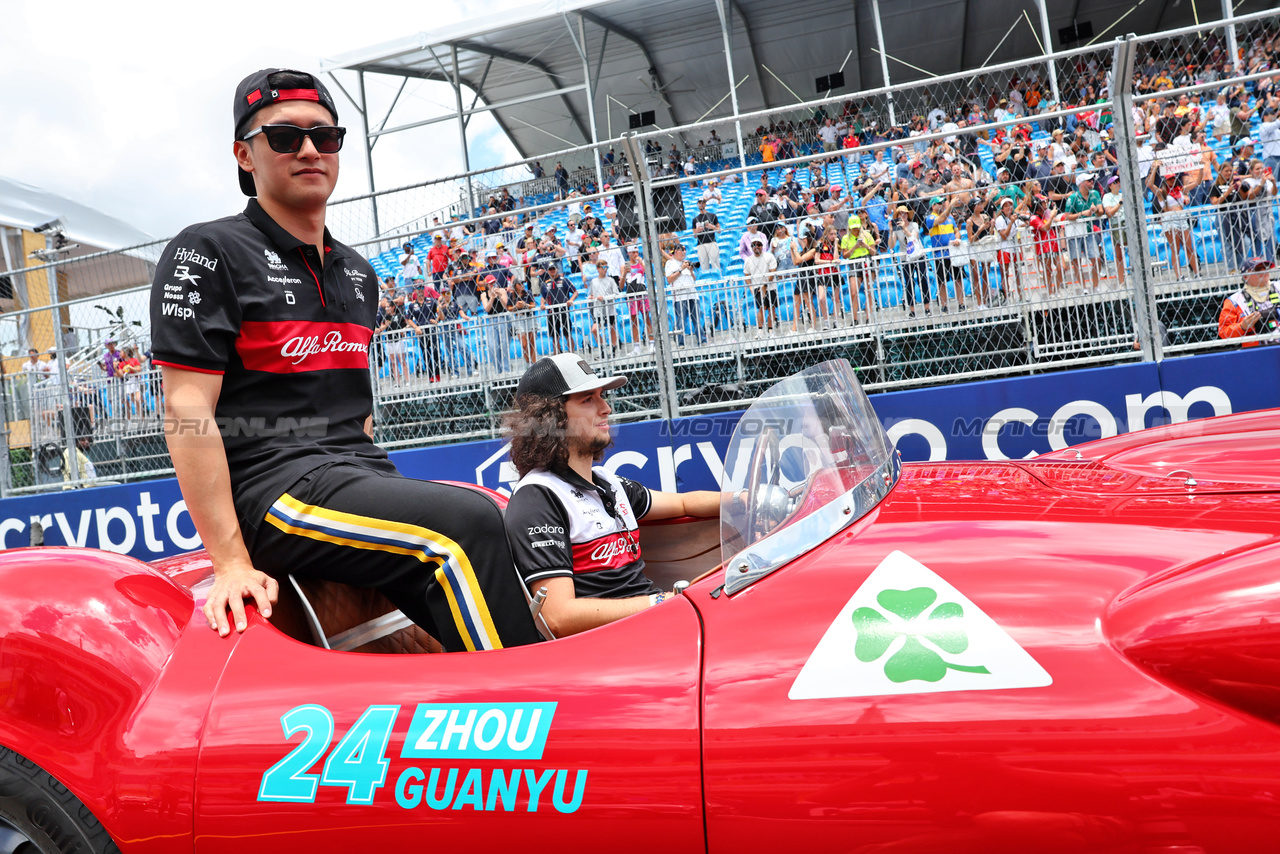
900,244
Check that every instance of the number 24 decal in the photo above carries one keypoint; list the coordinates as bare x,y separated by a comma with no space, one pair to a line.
358,762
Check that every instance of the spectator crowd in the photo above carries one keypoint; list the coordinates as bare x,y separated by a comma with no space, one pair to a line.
936,215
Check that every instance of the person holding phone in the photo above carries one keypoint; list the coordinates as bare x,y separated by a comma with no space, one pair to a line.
1252,309
1228,199
905,239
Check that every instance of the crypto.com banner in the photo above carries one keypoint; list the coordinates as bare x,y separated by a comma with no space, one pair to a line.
994,420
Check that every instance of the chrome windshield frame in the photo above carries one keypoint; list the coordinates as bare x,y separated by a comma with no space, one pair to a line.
780,548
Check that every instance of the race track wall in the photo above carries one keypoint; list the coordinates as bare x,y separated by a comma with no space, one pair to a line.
997,419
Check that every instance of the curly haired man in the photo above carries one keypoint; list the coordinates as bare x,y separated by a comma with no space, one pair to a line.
572,525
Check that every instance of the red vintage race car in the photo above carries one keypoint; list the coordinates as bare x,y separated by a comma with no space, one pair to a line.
1074,653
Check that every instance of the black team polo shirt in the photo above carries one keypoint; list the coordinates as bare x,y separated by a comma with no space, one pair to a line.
243,298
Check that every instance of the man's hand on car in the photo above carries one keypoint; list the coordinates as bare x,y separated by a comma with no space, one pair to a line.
231,586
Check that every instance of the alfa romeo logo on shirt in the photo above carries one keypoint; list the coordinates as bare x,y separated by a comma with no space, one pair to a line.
611,549
299,348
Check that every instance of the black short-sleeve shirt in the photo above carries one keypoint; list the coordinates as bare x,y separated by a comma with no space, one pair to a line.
289,334
421,313
707,235
1061,184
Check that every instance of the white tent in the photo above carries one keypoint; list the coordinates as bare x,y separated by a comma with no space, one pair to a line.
88,230
24,206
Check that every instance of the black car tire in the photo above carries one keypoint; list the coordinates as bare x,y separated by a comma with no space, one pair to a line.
39,814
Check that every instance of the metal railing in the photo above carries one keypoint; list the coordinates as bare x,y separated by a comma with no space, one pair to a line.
1032,292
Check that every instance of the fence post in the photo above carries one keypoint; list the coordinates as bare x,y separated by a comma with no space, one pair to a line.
884,61
657,281
581,44
733,83
1135,218
1228,15
6,476
64,378
6,388
462,133
368,153
1048,48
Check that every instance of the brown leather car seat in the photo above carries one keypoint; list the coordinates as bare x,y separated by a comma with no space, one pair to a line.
360,619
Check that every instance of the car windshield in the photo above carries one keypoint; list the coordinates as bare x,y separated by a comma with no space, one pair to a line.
806,460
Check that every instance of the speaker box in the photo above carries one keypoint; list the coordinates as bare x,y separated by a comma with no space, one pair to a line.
668,205
81,421
668,209
640,120
628,223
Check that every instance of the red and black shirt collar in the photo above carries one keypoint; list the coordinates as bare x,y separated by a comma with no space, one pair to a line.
597,485
284,239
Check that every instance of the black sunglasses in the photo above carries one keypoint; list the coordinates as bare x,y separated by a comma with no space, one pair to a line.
287,139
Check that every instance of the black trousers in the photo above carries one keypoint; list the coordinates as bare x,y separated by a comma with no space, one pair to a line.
943,270
438,552
913,272
558,325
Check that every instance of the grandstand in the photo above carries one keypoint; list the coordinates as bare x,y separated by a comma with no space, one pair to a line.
561,75
1008,339
1027,323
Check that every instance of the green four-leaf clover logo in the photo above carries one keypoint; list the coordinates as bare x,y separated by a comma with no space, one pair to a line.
942,628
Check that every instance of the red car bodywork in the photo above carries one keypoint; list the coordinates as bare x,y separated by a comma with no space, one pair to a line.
1150,600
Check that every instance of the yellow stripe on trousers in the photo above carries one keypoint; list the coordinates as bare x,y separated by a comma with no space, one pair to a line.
340,533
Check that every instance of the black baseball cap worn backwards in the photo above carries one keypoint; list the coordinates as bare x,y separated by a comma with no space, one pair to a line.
563,374
269,86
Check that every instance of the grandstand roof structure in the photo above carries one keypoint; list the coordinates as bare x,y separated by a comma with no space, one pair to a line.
24,206
563,73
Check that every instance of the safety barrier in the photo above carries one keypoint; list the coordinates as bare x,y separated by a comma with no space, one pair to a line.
1000,419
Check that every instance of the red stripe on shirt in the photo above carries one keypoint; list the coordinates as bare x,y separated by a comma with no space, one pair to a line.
186,367
612,551
314,276
295,346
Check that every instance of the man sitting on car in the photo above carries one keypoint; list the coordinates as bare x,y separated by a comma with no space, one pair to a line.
573,527
261,322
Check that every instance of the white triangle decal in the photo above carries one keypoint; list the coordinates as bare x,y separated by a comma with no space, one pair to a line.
906,631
